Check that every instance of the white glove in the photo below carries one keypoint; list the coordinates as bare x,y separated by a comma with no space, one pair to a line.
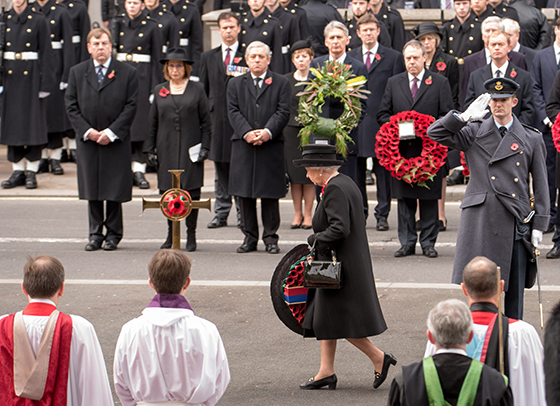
536,238
151,98
1,89
62,85
478,109
42,95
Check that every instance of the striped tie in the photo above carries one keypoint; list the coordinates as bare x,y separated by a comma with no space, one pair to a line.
228,57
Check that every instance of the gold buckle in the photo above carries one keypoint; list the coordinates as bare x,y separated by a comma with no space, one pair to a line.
129,57
18,56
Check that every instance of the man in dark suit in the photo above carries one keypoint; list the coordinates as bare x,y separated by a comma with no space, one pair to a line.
545,67
419,90
259,109
381,64
101,104
481,58
214,75
500,67
419,384
552,110
336,40
511,27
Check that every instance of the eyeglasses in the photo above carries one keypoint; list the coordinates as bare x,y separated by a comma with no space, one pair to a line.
179,67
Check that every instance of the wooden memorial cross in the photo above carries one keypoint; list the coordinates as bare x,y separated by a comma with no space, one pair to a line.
176,204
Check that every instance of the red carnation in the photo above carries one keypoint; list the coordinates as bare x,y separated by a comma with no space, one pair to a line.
441,66
164,92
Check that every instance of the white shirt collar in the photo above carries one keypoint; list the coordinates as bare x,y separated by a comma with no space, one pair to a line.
556,51
339,60
261,76
233,48
517,47
372,50
47,301
487,56
503,69
105,65
459,351
420,76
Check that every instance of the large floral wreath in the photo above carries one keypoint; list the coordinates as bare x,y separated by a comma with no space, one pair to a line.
332,80
415,170
556,133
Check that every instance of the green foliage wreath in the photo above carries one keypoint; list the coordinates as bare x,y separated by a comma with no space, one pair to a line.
332,80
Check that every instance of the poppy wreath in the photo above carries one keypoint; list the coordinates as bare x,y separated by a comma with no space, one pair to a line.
295,295
333,80
556,133
466,171
415,170
176,204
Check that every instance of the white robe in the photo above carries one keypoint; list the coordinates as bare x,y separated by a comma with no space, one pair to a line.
170,354
526,357
88,383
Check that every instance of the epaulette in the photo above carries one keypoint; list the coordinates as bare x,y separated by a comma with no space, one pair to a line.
531,128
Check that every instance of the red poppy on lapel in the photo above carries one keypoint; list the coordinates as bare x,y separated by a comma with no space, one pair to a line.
428,81
514,146
513,73
378,57
268,81
237,59
441,66
111,75
164,92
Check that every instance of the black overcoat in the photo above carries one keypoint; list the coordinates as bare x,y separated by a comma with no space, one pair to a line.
23,113
168,25
178,123
103,171
433,99
449,69
264,28
352,311
81,25
552,110
213,76
461,40
258,171
61,32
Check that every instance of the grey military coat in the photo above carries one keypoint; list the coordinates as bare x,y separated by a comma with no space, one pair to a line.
498,191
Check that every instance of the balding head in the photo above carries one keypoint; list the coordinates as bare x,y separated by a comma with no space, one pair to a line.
480,277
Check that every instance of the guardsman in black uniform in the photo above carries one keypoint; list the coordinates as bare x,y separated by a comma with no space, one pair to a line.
111,9
392,20
139,44
190,30
300,14
27,78
483,9
257,24
501,9
319,14
166,22
462,36
290,30
359,9
58,124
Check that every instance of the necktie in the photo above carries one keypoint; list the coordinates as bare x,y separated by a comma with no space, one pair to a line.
498,73
503,131
448,4
227,58
368,59
414,88
100,73
558,60
257,81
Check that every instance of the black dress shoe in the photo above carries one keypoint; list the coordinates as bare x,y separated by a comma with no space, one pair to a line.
405,251
554,253
64,156
217,223
93,245
191,242
272,248
369,178
456,178
388,359
43,166
17,178
140,181
429,252
296,226
382,224
56,169
109,245
321,383
246,248
30,180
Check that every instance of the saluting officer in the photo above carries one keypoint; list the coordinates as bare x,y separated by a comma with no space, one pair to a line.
190,30
58,124
257,24
290,30
393,20
497,217
300,14
27,79
166,22
462,36
139,43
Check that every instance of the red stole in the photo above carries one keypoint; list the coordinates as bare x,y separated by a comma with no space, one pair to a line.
57,380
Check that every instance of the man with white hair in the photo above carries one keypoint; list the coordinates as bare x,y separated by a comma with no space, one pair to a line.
467,380
512,28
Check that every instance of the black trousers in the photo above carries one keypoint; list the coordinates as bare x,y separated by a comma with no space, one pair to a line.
270,214
513,300
32,153
137,152
383,183
428,222
551,171
111,219
55,140
223,203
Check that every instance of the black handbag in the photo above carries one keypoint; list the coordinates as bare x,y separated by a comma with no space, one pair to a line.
322,274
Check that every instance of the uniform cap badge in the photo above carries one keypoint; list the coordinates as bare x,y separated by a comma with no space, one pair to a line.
498,86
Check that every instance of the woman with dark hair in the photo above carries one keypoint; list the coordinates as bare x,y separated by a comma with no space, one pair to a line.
353,311
180,131
300,187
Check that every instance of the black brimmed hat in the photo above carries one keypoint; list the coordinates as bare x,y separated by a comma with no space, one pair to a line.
176,54
427,27
318,155
302,44
500,88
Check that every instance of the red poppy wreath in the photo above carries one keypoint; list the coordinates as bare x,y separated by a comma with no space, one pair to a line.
466,171
556,133
415,170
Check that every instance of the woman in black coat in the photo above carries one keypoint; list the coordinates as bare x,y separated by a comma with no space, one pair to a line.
179,127
353,311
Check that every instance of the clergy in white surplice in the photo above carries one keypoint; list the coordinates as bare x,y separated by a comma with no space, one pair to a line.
168,355
47,357
523,349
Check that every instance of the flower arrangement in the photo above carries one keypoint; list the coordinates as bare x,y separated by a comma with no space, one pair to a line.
332,80
556,133
414,170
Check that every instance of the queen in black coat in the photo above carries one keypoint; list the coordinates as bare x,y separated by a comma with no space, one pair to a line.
353,311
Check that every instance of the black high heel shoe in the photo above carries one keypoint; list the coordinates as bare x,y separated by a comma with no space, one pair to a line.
312,384
388,359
